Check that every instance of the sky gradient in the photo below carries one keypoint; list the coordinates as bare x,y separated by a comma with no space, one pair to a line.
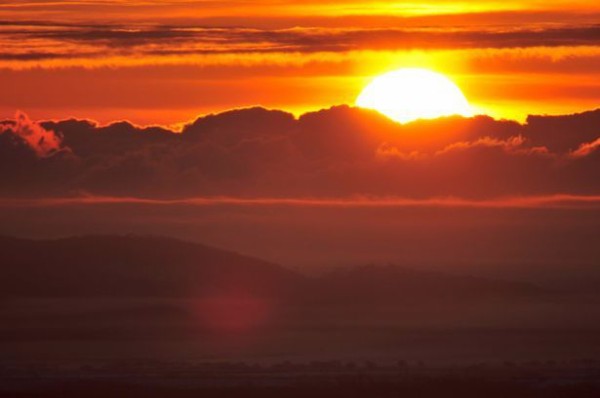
167,62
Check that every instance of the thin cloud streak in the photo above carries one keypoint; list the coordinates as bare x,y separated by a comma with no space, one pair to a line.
41,41
558,201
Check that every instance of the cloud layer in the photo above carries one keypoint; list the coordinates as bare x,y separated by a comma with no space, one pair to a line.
333,153
36,41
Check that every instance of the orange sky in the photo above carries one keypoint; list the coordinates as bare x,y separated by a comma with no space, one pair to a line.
166,62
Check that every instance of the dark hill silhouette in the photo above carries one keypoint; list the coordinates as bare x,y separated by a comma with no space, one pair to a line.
152,288
393,284
133,266
144,266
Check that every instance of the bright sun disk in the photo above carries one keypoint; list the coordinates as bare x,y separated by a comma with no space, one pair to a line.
412,93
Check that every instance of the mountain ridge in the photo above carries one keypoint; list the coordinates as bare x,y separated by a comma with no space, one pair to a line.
138,265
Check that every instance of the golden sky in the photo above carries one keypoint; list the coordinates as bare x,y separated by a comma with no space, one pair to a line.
166,62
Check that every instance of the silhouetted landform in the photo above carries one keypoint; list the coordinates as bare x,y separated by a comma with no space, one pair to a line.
137,266
134,287
335,152
393,284
130,266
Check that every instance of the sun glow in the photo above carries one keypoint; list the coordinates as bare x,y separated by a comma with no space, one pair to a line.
411,93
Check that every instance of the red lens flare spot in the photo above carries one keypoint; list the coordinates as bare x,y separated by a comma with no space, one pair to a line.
233,312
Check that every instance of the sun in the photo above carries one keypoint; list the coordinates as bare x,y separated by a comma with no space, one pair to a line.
409,94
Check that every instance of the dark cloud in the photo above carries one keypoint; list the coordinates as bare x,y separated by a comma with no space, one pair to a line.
25,133
33,158
100,40
337,152
564,133
586,149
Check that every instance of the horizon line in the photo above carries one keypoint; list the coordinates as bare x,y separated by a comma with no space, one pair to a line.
550,201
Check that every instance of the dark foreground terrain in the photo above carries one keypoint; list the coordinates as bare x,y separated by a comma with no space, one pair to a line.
315,379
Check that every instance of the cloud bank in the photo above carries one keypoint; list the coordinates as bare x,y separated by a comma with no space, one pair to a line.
37,41
334,153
